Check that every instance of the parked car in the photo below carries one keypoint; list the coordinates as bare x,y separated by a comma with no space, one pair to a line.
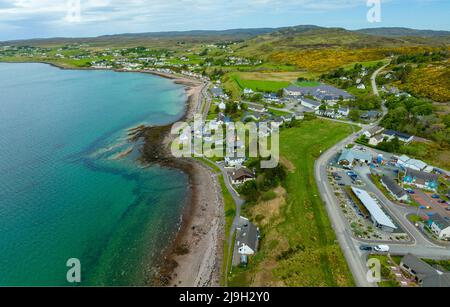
410,191
435,196
382,248
440,172
366,248
447,209
442,201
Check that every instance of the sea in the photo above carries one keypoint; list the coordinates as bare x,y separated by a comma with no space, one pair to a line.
71,184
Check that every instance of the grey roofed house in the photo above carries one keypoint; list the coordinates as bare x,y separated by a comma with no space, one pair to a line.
257,108
377,138
242,175
425,274
440,221
325,92
375,130
401,135
293,90
349,156
217,91
310,103
248,234
421,177
370,115
437,281
393,187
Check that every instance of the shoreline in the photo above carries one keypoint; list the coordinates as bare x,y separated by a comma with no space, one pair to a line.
194,257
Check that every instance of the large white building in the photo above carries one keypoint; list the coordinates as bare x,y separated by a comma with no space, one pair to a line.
377,215
407,162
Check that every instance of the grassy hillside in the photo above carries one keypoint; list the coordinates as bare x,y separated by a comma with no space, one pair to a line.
298,245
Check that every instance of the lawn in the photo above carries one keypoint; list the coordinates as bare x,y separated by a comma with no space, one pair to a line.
307,83
261,85
278,113
298,246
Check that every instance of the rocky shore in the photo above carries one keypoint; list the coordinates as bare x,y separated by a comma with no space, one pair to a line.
194,259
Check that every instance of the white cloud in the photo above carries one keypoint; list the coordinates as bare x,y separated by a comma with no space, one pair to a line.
112,16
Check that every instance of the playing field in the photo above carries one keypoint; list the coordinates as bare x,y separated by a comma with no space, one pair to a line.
261,85
298,246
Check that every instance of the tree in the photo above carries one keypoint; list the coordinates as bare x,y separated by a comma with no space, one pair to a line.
354,115
249,190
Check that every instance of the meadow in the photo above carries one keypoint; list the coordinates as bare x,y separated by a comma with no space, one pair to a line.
298,246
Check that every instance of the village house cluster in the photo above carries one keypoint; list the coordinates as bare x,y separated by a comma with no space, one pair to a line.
403,180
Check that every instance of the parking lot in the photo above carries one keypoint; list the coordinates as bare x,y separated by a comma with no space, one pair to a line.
426,200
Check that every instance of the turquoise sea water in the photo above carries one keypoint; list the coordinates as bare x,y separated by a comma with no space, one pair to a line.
63,191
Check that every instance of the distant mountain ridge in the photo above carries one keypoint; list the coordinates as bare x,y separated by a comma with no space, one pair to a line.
388,35
399,32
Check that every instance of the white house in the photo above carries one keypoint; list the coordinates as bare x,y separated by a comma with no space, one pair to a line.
241,176
403,137
344,111
234,161
248,91
222,106
375,140
293,90
406,162
311,104
247,237
440,226
373,131
257,108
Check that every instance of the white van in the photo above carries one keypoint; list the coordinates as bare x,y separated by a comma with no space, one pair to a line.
382,248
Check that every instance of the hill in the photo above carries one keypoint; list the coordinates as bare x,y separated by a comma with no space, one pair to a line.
401,32
264,39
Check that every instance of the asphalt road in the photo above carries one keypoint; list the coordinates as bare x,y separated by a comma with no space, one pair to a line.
419,245
355,259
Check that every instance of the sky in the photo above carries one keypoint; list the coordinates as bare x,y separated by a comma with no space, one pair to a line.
23,19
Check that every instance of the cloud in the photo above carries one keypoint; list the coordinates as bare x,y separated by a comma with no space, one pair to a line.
51,17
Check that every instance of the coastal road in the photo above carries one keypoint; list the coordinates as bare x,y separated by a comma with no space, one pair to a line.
375,90
239,202
355,260
420,245
207,98
373,79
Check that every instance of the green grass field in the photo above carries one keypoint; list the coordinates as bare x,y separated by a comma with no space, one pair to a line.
298,246
307,83
261,85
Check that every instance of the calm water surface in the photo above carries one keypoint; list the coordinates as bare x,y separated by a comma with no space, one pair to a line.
64,190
